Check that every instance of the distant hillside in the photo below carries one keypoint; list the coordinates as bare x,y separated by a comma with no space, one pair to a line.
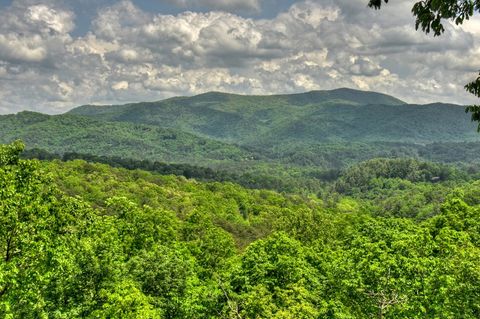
280,136
342,115
73,133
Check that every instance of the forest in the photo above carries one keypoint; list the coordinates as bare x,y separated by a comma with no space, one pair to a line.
383,238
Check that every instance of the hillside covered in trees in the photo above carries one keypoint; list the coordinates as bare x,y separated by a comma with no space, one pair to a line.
326,129
287,143
388,238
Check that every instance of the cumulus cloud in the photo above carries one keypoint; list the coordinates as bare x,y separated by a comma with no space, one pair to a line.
122,85
15,47
132,55
227,5
51,19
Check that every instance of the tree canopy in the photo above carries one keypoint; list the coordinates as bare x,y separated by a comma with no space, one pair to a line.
86,240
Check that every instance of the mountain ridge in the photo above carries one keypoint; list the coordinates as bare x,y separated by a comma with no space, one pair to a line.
344,90
326,116
302,132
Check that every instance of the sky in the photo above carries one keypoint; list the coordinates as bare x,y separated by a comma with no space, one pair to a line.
58,54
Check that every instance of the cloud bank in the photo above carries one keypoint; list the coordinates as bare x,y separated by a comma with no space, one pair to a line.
227,5
132,55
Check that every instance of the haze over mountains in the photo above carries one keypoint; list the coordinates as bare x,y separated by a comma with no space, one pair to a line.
326,129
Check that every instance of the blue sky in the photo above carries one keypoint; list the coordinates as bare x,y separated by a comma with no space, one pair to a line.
57,54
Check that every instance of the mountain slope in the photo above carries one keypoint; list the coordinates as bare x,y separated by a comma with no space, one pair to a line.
282,136
72,133
341,115
229,117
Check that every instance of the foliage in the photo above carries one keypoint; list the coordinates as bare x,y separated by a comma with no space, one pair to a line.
87,240
429,14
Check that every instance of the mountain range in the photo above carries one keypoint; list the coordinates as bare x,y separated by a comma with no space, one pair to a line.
318,129
342,115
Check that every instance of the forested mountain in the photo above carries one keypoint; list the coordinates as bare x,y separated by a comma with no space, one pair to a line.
69,133
281,142
342,115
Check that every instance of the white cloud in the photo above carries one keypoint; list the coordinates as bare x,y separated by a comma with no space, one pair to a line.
34,34
121,85
132,55
22,48
227,5
58,21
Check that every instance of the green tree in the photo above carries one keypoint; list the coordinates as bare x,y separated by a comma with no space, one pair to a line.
276,280
38,228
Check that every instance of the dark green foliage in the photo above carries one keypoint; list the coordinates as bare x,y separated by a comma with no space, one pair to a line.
430,14
474,88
